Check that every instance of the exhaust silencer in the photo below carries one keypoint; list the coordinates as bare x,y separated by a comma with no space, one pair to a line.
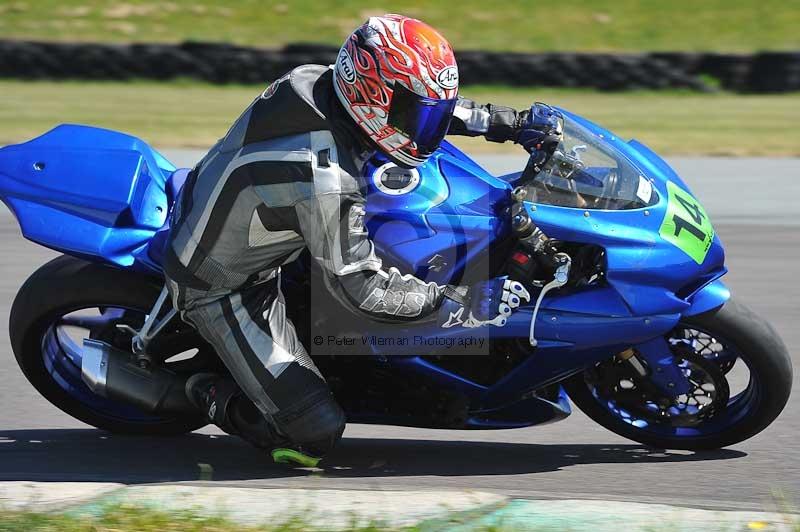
113,373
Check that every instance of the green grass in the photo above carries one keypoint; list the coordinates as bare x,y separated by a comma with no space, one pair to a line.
728,25
189,114
127,518
124,518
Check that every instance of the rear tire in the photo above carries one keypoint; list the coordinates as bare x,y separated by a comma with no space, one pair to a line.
63,285
767,359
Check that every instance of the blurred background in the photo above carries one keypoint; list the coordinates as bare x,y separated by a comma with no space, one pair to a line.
713,85
687,78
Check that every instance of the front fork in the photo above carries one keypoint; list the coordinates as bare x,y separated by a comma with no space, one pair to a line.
537,244
654,363
654,360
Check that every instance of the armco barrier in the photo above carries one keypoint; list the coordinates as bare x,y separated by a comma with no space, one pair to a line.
225,63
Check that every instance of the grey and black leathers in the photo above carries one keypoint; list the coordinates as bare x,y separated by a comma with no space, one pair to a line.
286,177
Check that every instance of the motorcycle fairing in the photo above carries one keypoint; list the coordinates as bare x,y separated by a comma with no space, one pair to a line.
88,192
648,271
103,195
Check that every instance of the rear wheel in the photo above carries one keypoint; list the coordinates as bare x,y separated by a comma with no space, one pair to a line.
67,300
740,376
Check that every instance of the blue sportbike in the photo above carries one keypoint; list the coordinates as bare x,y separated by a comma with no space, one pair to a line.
629,318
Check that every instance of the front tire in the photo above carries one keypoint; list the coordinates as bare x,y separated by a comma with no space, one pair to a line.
62,286
758,346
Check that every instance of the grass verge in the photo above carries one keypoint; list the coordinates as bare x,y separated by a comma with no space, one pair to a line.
726,25
125,518
128,518
191,114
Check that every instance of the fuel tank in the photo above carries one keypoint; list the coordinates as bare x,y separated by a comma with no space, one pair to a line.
435,219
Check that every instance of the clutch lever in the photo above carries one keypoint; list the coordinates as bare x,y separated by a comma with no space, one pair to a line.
560,278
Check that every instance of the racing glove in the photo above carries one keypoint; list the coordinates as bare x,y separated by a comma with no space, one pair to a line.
537,129
486,303
539,132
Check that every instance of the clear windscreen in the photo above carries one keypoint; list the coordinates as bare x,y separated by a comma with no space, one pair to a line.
586,172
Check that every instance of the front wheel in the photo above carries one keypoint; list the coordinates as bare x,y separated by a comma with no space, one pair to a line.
741,377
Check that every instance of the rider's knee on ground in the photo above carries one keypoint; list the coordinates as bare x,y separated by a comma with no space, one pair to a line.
315,425
312,418
308,416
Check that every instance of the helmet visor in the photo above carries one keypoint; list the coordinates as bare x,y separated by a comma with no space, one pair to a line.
424,120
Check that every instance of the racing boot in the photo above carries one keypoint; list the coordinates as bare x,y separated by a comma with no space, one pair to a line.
224,404
213,395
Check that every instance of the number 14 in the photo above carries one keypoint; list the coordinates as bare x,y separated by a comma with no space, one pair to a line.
695,213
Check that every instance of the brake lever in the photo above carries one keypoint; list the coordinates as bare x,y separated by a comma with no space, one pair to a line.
560,278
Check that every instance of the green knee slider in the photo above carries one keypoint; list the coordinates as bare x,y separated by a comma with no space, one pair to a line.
290,456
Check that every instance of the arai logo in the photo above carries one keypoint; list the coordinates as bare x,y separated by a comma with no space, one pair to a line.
448,78
344,64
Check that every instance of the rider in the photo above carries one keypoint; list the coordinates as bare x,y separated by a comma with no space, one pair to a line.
287,177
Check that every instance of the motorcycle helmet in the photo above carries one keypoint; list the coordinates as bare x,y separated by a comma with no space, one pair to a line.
397,78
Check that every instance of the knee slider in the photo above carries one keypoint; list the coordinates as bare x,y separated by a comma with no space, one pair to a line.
316,423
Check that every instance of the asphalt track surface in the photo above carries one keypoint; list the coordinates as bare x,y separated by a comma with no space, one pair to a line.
753,203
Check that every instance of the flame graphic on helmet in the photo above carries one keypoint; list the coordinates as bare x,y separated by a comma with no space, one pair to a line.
387,50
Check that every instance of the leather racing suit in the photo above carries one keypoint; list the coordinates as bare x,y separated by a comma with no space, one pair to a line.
286,177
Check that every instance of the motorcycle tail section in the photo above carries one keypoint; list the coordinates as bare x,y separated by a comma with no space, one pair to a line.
86,191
